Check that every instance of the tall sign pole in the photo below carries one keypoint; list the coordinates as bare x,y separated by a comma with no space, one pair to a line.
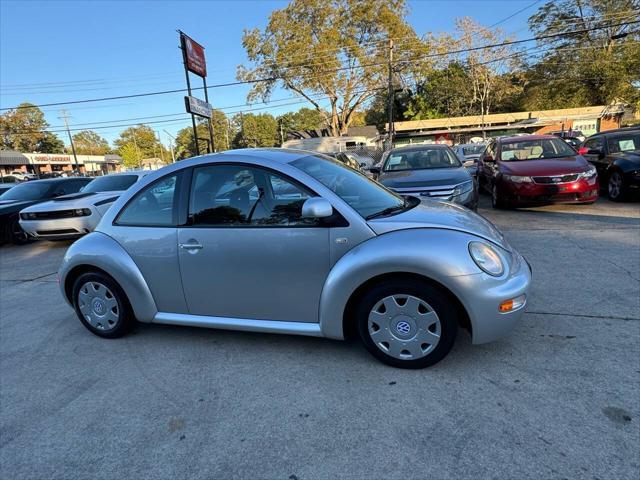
194,61
390,128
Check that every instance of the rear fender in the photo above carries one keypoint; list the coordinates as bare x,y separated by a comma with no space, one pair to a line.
99,251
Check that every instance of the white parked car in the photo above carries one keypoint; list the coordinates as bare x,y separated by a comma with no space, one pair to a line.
22,176
71,216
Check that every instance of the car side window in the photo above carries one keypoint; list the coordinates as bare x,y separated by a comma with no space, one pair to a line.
594,144
239,196
152,206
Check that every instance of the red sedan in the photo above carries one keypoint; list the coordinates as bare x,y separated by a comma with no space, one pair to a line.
536,170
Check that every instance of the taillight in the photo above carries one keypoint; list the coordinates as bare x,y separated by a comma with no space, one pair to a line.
583,150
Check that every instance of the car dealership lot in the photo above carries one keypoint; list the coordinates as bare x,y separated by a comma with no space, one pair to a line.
558,397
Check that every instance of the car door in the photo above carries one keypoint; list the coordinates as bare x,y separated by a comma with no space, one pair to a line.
246,252
487,166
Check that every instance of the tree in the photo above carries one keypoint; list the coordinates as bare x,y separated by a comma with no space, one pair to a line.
336,49
259,130
138,143
50,143
303,119
23,129
595,67
88,142
222,135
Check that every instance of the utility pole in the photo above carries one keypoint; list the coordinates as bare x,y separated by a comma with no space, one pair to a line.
65,116
161,147
135,142
390,128
173,155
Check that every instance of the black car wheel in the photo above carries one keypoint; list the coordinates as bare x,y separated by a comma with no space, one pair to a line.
496,201
615,186
17,236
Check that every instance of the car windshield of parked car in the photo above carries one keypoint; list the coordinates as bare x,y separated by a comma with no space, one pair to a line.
110,183
542,148
473,149
420,159
27,191
366,196
624,143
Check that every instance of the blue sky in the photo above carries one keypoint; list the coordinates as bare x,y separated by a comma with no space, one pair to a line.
56,51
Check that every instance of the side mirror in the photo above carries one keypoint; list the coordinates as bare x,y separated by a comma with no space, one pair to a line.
375,170
469,163
363,165
317,207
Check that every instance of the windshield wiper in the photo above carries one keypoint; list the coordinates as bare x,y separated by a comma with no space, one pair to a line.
388,211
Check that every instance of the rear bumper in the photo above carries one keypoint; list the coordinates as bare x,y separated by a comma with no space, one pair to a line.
60,228
580,191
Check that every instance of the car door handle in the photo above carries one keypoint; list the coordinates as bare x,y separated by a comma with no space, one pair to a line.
190,246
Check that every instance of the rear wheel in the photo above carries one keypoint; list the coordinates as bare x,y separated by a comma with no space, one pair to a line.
407,324
615,187
102,306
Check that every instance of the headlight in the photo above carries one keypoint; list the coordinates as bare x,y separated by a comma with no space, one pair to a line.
463,188
486,258
82,212
589,172
517,179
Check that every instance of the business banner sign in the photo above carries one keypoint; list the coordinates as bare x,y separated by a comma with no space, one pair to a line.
193,55
198,107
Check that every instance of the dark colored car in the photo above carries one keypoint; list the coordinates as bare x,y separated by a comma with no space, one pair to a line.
29,193
536,170
432,171
616,156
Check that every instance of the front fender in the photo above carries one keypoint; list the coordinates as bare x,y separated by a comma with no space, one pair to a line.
439,254
100,250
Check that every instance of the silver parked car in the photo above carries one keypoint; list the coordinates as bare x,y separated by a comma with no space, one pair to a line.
431,171
288,241
75,215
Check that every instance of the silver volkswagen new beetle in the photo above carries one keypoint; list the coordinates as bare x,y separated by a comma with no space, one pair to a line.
288,241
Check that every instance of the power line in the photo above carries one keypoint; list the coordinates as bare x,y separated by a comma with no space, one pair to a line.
273,78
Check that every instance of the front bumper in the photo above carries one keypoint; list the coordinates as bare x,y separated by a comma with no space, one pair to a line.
580,191
482,294
60,228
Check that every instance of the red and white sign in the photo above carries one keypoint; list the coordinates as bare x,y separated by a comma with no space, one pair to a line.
193,55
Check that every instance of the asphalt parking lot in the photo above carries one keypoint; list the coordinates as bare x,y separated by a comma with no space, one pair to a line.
558,398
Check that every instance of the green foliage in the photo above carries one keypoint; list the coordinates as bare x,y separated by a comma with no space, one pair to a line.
591,68
22,129
256,130
138,143
319,47
303,119
88,142
222,136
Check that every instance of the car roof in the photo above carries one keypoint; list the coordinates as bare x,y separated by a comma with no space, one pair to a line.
524,138
57,180
423,146
616,131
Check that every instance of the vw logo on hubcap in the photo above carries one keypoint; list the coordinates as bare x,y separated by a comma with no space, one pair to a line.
403,327
98,306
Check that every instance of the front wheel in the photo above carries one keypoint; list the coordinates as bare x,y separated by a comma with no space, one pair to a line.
496,201
407,324
615,187
101,305
16,234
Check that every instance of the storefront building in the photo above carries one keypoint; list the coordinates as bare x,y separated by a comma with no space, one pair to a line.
40,163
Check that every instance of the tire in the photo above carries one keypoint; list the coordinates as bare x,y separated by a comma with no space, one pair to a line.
96,292
415,334
616,187
496,201
17,236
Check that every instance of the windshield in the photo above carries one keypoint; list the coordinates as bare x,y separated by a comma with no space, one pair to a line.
367,197
420,159
27,191
543,148
110,183
473,149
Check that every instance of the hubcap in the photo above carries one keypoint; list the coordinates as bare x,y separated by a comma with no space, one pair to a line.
404,327
615,185
98,306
